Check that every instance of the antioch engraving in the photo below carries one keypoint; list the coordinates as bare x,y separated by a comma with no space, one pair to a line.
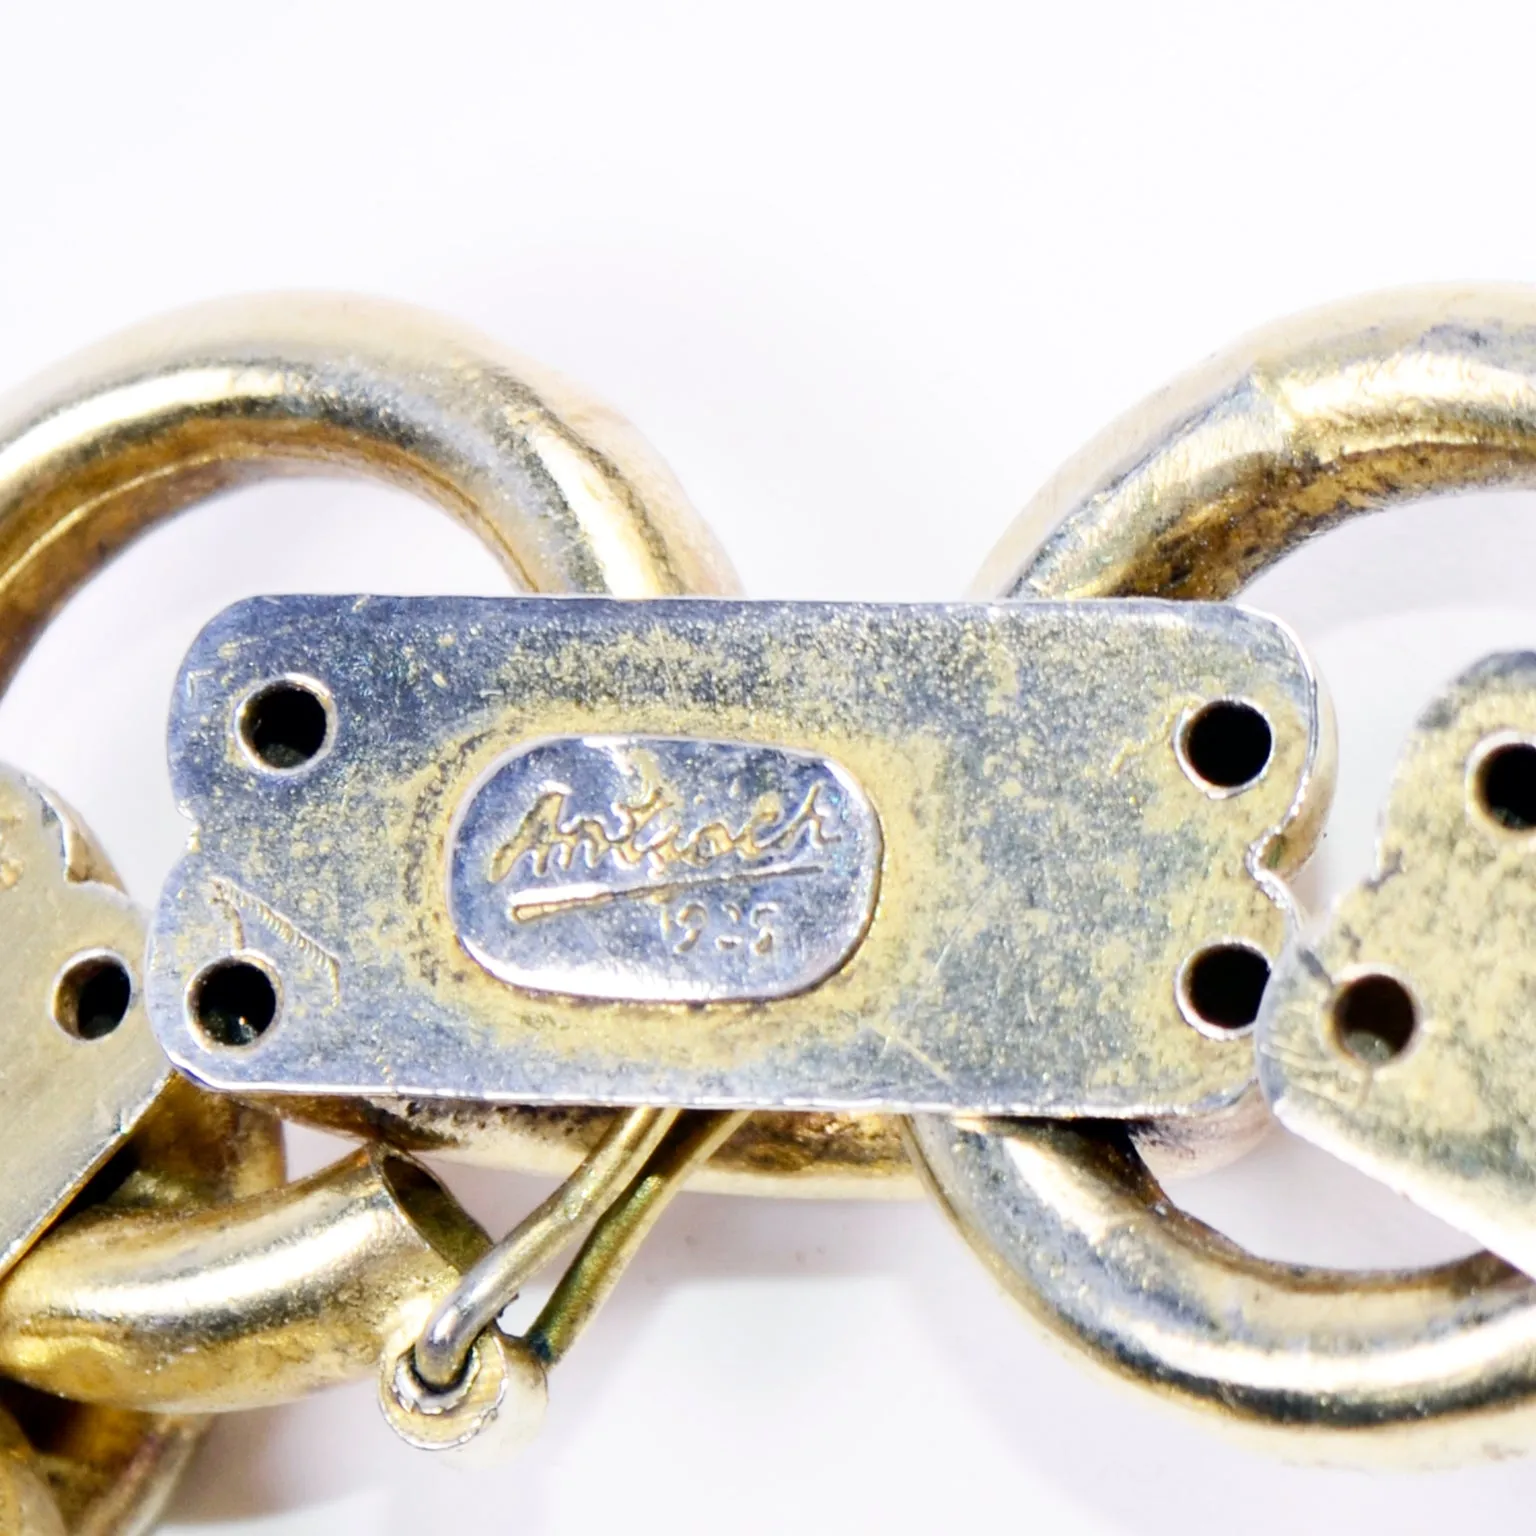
665,870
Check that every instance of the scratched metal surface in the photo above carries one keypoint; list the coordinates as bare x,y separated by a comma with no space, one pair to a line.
66,1103
1046,864
1443,1112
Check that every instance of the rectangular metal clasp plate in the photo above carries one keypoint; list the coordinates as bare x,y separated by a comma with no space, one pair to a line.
579,851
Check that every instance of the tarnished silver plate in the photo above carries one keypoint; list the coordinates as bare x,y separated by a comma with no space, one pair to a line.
1401,1028
955,857
78,1064
663,869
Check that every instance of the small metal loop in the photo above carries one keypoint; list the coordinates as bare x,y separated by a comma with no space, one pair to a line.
487,1290
494,1401
493,1410
616,1238
1347,410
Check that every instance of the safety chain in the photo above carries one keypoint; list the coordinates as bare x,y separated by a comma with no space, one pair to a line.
766,897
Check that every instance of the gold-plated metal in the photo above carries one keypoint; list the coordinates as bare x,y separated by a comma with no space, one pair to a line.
1317,418
27,1508
1423,1368
1344,411
113,442
799,1154
111,1470
616,1238
557,485
491,1412
1291,433
82,1072
492,1284
81,1066
495,1402
241,1305
117,438
1399,1035
133,431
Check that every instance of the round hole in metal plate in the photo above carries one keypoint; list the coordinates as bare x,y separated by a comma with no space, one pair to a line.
1505,783
1227,745
92,995
1374,1018
286,724
1221,988
233,1002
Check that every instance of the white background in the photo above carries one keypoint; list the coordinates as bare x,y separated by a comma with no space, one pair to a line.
864,275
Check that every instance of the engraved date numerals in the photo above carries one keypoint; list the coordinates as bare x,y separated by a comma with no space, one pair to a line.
727,926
